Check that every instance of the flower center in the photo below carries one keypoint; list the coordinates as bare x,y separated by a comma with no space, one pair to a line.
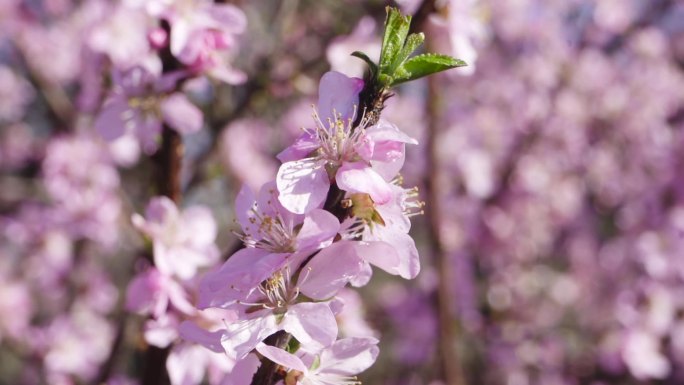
278,290
148,105
273,233
339,140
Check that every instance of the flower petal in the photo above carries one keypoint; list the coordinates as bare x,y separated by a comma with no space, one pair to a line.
181,114
243,371
318,230
193,333
338,93
358,177
303,185
229,17
199,225
301,148
244,206
243,336
404,248
238,276
349,356
161,332
111,122
281,357
187,363
385,131
330,269
380,254
313,324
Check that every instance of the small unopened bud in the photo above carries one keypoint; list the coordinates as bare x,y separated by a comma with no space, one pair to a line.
158,38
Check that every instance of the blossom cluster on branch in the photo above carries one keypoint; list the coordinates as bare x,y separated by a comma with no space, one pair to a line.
551,241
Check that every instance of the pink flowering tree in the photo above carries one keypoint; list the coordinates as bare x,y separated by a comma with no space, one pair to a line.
335,209
238,192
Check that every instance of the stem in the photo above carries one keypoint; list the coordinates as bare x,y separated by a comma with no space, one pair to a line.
170,163
55,97
267,373
169,160
371,103
450,365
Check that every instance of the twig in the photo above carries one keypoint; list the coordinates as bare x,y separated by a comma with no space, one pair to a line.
450,365
56,99
169,160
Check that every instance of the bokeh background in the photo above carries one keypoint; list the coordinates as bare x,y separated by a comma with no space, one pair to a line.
552,168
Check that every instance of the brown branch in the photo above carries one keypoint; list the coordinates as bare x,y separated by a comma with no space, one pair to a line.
170,163
56,99
427,7
268,373
108,365
169,160
449,329
450,365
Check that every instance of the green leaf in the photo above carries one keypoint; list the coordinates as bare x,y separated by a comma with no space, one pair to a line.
385,80
293,345
396,30
423,65
364,57
413,41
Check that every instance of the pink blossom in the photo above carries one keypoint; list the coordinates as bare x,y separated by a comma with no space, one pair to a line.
138,105
15,95
203,33
352,314
188,364
122,35
641,353
72,334
245,152
460,31
274,306
152,292
347,262
274,238
183,240
82,182
15,299
243,371
337,364
338,151
162,331
312,324
364,38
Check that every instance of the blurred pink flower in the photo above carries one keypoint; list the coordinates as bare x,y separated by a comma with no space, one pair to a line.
151,293
460,32
82,182
245,151
140,102
15,95
202,33
70,335
122,36
183,240
364,38
337,364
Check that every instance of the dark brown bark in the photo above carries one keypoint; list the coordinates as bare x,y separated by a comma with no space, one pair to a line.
268,372
449,362
170,163
169,160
